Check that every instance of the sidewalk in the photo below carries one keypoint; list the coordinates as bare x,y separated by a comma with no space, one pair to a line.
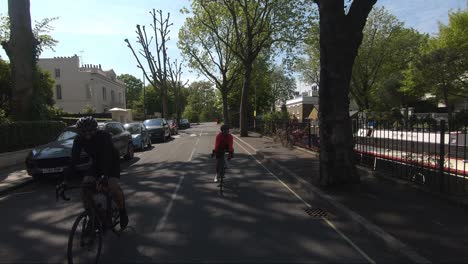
434,228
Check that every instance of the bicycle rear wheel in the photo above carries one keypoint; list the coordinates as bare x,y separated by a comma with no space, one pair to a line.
85,240
221,177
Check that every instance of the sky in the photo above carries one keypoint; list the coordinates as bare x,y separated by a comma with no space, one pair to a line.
95,29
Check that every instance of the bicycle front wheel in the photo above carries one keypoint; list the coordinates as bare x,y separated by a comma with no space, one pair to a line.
85,240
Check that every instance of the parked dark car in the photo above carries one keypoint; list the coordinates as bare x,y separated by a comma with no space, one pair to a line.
158,129
140,135
173,126
184,123
54,157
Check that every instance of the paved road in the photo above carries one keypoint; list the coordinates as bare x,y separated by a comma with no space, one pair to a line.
177,215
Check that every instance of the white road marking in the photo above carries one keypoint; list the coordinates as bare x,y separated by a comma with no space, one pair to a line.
162,222
193,135
247,144
308,205
191,155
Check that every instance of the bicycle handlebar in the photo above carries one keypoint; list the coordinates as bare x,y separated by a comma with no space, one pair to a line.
61,188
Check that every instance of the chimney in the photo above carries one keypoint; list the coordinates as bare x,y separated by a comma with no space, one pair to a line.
100,67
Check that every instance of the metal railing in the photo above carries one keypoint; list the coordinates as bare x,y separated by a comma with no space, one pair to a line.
431,155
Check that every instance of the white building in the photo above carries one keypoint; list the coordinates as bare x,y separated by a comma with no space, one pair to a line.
77,88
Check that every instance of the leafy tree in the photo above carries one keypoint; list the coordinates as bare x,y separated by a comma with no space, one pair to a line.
206,52
341,34
201,102
23,48
440,72
5,87
41,32
454,34
133,87
442,67
373,52
42,107
386,50
258,25
283,86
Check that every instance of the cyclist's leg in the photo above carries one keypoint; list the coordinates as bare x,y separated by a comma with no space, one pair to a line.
117,193
86,193
217,169
119,199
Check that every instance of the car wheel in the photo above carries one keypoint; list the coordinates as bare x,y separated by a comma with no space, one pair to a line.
130,152
149,142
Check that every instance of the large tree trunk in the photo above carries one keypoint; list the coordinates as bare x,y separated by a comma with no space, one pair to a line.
21,50
340,38
244,100
225,106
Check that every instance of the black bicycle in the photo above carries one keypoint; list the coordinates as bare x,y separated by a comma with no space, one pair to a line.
85,239
221,169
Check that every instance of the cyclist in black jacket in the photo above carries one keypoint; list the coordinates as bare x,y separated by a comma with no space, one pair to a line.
106,161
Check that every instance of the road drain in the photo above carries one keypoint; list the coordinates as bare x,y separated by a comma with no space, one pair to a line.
316,212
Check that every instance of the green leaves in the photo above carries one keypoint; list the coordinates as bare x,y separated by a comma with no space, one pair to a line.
134,88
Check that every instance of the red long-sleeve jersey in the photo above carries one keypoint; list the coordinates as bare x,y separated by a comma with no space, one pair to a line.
224,142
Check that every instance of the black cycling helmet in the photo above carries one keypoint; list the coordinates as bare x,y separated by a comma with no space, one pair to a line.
87,123
224,128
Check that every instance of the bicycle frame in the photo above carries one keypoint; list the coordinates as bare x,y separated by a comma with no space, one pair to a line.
93,211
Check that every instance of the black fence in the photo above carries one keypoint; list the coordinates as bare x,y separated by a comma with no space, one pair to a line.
432,155
428,154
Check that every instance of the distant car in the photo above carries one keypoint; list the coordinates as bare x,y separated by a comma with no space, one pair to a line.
184,123
54,157
158,129
173,126
140,135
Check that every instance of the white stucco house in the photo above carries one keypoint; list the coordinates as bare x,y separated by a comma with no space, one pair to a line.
77,87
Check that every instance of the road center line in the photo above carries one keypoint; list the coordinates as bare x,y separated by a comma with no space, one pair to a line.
308,205
162,222
191,155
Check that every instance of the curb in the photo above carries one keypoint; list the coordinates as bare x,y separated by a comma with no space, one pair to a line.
16,185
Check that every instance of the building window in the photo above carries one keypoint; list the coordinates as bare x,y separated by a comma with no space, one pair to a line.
104,94
88,91
120,98
112,96
57,73
58,91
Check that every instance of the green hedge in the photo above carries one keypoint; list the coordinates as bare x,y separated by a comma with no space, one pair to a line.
24,134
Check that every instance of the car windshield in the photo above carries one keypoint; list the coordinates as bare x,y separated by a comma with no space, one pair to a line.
66,135
133,129
153,122
184,121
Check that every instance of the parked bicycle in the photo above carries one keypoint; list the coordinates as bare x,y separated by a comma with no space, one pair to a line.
85,239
